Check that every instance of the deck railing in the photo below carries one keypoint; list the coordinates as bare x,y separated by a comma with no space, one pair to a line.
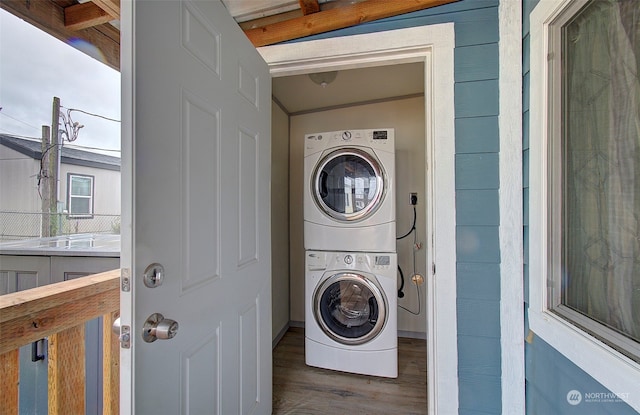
59,311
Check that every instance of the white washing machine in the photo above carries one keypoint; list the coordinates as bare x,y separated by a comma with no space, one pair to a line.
350,186
351,312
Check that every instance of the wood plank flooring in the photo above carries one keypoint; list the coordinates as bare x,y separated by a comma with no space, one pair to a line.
302,390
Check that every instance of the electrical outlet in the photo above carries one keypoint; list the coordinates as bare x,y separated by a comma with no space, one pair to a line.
413,198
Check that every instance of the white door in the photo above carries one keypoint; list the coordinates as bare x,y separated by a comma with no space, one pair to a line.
196,180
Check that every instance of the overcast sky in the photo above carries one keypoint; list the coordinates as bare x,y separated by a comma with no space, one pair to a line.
35,67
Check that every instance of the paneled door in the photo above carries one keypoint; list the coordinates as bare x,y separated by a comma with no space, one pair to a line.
196,189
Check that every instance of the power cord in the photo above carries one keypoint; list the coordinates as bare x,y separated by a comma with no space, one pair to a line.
414,201
413,227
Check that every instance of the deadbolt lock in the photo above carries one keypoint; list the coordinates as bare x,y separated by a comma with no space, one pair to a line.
157,327
153,275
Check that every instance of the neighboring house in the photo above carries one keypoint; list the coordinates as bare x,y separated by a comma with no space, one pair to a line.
89,195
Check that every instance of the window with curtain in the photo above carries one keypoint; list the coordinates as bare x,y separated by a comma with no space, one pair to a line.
80,190
594,159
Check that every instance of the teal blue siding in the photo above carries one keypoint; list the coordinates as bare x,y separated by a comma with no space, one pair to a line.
477,207
549,375
471,65
477,171
477,135
477,184
525,92
477,395
478,356
477,244
476,99
477,281
471,321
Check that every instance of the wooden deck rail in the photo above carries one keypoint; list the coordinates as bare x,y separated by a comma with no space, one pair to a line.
59,311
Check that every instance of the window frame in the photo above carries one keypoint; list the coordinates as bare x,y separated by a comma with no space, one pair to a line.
90,215
610,367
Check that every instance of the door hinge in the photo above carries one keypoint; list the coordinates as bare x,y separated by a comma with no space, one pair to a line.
125,280
433,268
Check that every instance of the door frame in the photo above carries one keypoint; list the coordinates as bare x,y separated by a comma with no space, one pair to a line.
434,46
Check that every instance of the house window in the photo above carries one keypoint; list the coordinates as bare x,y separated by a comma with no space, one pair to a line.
80,202
584,236
595,172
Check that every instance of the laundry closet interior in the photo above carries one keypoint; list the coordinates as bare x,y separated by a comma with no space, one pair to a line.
365,98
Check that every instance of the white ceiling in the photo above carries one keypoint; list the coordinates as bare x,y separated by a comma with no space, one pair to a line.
299,94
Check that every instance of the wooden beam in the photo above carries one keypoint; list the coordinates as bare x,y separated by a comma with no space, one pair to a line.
338,18
309,6
110,366
66,377
49,17
9,382
84,15
110,6
30,315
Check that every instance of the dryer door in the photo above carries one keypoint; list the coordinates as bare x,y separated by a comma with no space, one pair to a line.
348,184
350,308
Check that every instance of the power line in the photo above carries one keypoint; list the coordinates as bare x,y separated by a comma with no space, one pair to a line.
93,148
16,158
20,121
93,115
21,136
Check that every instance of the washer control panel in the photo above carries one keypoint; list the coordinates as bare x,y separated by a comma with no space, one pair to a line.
363,260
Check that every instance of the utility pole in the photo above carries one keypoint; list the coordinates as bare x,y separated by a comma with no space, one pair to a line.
54,166
43,182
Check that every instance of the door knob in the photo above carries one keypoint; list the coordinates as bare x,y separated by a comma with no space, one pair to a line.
157,327
115,327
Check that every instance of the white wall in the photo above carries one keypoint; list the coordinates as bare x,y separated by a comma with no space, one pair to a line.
18,182
407,117
279,219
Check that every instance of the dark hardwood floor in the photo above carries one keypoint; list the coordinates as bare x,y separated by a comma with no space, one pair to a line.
302,390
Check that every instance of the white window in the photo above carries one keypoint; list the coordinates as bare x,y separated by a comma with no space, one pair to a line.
80,201
585,186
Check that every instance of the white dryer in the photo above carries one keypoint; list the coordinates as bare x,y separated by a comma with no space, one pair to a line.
351,312
349,199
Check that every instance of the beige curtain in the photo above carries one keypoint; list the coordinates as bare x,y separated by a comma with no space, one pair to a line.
601,175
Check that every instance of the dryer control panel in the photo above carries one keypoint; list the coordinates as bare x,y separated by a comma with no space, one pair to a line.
378,138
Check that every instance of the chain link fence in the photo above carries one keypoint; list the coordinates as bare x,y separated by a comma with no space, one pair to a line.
27,225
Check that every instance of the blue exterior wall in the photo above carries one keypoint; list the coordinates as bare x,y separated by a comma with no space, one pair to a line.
549,376
477,184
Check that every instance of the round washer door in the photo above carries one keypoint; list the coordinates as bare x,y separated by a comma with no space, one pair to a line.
348,184
350,308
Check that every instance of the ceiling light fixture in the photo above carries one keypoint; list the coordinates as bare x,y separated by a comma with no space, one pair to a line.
323,78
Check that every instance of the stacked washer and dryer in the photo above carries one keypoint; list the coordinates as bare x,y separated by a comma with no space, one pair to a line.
350,248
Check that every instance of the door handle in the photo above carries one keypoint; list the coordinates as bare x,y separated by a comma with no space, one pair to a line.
157,327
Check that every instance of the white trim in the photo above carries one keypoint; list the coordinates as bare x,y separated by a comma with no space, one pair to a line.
434,46
127,90
510,203
613,370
